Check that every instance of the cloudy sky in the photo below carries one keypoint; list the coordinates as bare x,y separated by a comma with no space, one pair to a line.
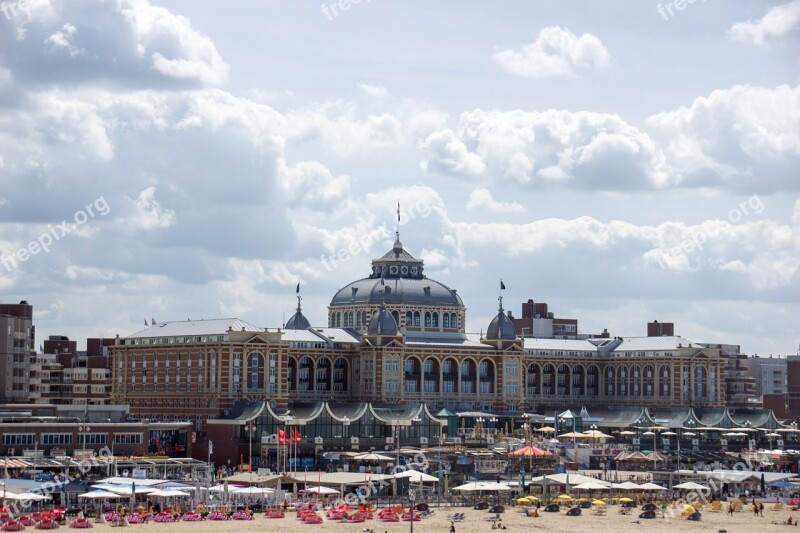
623,161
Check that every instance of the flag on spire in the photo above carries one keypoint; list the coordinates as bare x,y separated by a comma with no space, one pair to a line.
398,211
502,285
297,290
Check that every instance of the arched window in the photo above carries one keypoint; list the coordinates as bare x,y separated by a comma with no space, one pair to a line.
446,320
409,319
416,319
435,320
358,318
427,319
396,317
453,320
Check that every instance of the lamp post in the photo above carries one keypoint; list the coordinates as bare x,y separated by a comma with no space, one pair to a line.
749,426
479,429
250,428
593,428
286,419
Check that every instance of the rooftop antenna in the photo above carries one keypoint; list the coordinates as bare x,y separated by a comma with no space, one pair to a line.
397,231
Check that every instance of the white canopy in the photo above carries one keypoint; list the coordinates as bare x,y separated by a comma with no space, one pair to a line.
321,490
24,496
372,457
481,485
651,486
563,479
591,486
166,493
260,491
415,476
100,494
691,485
627,485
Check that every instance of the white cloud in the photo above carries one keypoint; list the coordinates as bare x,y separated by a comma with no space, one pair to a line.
556,52
736,137
779,21
481,200
568,149
61,39
445,152
312,184
175,47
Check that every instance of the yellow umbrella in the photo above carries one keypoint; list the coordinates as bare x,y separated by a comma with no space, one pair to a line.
532,498
689,509
626,500
523,500
565,497
598,502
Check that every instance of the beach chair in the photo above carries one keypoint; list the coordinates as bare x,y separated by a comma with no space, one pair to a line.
777,506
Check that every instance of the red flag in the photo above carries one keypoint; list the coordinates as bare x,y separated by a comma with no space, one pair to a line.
282,437
296,436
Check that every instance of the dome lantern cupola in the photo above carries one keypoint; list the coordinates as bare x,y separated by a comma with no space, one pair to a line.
501,327
298,319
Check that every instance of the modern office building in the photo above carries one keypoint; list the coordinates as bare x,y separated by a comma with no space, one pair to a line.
770,374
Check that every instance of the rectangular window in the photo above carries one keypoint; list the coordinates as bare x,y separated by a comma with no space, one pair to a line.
411,386
18,439
448,387
127,438
430,386
512,388
92,438
486,387
467,387
57,439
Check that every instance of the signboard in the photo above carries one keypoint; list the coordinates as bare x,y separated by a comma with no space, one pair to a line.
139,473
666,442
635,441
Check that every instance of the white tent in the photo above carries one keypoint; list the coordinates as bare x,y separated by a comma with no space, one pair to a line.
99,494
372,457
563,479
481,485
591,486
253,491
24,496
627,485
321,490
691,485
651,486
167,493
415,476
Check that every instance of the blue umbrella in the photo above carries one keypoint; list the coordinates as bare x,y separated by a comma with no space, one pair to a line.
782,484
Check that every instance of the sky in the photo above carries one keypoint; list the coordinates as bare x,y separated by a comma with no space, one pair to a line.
624,161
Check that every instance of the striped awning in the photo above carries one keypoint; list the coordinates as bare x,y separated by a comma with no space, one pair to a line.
11,462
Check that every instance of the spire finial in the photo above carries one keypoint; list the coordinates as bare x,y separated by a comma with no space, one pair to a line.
397,231
297,291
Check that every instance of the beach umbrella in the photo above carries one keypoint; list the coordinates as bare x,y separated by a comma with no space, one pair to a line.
598,502
691,485
321,490
545,429
595,434
372,457
564,497
627,433
651,486
689,434
591,486
166,493
625,500
627,485
100,494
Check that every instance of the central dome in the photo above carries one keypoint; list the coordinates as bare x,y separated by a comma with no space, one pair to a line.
397,279
419,305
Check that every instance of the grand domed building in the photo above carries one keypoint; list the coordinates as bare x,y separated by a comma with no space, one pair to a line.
395,348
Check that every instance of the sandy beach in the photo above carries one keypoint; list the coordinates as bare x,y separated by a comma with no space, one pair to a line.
477,521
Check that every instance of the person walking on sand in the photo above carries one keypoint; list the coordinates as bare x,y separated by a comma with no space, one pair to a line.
730,509
452,527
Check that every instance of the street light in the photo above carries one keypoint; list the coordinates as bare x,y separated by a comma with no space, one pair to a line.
250,428
346,426
286,419
479,430
593,427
